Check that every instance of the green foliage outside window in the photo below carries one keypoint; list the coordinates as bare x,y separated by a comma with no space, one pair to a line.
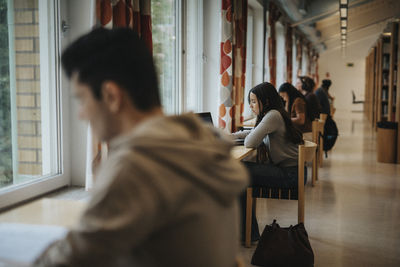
5,107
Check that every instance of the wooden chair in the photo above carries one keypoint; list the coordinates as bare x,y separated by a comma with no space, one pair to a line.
322,119
317,138
307,153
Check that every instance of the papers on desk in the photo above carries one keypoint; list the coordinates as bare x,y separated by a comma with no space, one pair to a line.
22,243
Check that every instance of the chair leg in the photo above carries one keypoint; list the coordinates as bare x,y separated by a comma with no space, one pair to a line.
314,169
321,152
249,206
301,187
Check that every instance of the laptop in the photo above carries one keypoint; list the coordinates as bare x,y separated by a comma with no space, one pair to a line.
206,117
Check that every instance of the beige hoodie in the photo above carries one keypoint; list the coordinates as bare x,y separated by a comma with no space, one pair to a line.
166,196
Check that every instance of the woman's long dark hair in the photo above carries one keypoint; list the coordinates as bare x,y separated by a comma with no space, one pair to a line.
292,92
269,99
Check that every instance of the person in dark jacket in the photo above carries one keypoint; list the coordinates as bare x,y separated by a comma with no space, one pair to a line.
322,94
306,86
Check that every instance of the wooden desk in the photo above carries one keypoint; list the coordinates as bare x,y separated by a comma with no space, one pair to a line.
48,211
250,123
240,152
27,230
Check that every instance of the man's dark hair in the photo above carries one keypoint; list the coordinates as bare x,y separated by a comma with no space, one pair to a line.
326,83
117,55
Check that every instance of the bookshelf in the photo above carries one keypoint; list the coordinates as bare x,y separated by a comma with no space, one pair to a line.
369,104
392,86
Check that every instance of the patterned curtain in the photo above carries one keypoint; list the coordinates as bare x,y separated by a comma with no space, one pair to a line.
273,17
299,55
316,79
135,14
314,66
309,59
233,63
289,53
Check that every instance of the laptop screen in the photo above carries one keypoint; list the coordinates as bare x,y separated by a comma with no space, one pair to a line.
206,116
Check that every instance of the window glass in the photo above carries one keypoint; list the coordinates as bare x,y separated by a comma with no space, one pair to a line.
249,63
194,53
164,26
294,60
28,114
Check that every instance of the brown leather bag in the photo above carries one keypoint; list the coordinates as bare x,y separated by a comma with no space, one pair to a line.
283,247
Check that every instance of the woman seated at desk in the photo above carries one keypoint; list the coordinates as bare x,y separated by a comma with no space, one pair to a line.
306,86
296,106
276,140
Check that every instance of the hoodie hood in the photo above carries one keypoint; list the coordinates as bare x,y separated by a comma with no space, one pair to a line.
193,150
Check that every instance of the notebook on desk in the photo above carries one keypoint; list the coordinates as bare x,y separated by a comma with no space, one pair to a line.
21,244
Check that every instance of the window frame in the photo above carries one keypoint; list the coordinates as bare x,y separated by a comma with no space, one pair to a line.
11,195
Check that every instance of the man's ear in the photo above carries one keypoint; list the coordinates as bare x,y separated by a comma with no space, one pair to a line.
112,96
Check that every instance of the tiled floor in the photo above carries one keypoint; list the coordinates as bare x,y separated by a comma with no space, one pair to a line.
353,213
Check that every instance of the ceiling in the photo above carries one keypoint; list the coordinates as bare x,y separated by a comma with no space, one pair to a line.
319,20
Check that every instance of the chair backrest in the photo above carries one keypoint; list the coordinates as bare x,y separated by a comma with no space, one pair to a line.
309,149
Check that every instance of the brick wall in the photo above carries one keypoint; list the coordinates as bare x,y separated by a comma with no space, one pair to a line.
27,61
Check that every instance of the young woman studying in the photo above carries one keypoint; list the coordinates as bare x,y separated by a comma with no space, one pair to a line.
296,106
276,140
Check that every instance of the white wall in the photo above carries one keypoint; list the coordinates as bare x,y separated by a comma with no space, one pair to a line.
80,22
345,79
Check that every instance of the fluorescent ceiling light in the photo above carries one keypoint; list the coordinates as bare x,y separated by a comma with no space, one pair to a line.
344,37
343,12
343,23
344,2
344,31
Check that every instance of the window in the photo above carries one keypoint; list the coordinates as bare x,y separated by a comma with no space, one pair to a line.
193,46
249,63
166,51
304,61
294,61
280,55
30,126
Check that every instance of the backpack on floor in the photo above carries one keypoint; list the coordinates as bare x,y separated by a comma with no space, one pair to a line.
331,133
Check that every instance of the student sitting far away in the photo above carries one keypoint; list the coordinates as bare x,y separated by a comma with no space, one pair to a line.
167,193
306,86
322,94
276,140
295,104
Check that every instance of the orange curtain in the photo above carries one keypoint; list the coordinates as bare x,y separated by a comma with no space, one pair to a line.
299,55
309,60
273,16
135,14
232,63
289,53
